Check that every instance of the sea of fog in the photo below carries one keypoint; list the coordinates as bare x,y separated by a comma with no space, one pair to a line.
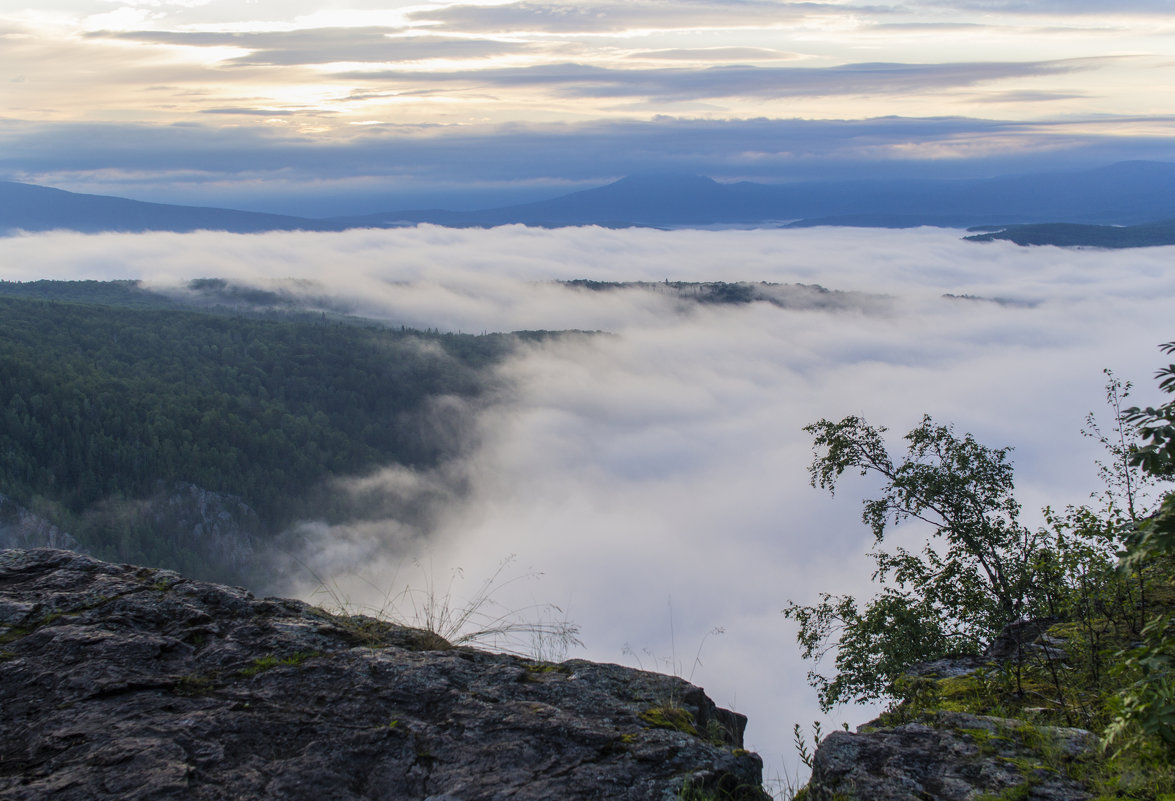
656,475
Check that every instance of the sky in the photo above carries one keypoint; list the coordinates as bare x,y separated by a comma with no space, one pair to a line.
348,106
656,475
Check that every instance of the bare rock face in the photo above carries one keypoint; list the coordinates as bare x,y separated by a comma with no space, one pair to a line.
950,756
118,682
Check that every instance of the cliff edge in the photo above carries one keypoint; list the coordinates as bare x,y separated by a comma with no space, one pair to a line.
135,683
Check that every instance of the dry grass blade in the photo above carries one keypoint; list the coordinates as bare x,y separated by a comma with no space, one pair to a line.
540,631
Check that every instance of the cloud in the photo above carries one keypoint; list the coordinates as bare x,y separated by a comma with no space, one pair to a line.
326,45
656,474
611,17
250,112
1061,8
1026,96
735,54
586,81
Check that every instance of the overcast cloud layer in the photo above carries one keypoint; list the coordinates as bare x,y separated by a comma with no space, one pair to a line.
656,475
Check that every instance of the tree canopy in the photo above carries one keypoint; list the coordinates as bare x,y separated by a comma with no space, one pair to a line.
102,402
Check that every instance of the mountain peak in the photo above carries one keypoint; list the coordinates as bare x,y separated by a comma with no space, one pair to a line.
663,181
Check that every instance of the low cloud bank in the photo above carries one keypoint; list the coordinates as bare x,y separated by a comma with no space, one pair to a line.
656,474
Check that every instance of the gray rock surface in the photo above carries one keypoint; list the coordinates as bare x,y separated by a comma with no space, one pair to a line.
134,683
951,756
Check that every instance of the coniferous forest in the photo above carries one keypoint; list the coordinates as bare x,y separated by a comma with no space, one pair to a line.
106,404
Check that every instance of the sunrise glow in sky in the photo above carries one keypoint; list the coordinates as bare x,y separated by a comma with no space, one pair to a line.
218,100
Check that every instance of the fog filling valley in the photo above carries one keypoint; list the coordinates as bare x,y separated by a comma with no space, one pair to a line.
656,474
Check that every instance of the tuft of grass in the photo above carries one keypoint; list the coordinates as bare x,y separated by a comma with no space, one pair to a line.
672,664
541,630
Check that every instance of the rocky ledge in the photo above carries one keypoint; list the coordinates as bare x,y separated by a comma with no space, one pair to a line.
134,683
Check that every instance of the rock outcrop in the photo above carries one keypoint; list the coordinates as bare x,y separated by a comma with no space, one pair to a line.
925,751
135,683
951,756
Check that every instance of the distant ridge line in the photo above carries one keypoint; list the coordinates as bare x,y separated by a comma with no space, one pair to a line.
1135,194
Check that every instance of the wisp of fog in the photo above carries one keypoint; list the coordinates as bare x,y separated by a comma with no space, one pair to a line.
655,473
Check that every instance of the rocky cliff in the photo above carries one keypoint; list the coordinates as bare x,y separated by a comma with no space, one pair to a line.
134,683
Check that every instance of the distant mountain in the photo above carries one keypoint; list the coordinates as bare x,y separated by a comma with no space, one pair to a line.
637,200
1120,194
1094,236
1129,193
26,207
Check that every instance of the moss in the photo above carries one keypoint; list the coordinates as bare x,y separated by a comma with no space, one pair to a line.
670,717
982,739
194,684
269,661
260,665
13,633
535,671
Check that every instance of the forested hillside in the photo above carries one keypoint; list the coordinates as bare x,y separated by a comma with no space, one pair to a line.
104,405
